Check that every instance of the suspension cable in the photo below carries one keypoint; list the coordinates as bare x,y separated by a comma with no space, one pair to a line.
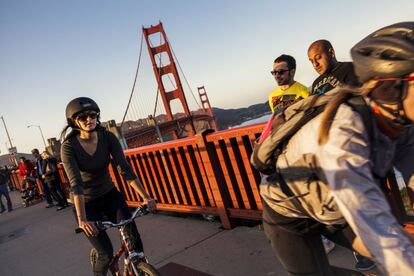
182,72
135,80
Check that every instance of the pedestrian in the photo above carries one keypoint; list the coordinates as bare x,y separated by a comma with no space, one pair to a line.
86,153
289,90
4,192
38,175
26,171
328,177
50,175
331,72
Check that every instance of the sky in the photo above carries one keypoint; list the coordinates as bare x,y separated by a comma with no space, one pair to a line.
53,51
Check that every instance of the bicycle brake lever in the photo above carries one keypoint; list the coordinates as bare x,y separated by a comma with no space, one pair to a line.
100,225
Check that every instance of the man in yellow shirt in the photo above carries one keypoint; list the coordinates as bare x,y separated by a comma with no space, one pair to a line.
289,90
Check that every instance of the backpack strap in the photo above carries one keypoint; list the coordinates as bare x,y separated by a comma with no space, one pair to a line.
359,105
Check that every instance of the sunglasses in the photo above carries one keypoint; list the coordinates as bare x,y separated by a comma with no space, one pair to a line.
391,90
279,72
84,116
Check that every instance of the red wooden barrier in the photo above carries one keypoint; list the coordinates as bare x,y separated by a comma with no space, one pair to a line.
211,173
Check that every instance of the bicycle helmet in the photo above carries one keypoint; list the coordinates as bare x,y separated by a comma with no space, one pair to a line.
387,52
79,105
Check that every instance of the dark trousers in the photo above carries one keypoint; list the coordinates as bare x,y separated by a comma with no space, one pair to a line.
4,192
46,191
112,207
56,191
297,243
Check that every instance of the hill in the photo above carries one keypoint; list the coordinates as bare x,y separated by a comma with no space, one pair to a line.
226,118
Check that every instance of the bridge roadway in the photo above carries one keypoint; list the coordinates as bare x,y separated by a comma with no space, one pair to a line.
39,241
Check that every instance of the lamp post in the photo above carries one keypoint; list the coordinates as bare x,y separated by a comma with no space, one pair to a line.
41,132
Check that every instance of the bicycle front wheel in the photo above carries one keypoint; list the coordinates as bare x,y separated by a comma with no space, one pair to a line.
144,269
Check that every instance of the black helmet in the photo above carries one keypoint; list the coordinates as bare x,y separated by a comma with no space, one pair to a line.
79,105
388,52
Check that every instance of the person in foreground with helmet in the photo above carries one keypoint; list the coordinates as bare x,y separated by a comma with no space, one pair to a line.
86,153
348,159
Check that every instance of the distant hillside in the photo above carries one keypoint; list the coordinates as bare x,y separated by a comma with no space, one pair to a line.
226,118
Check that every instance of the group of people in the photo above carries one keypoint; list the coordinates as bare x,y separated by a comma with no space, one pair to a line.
45,170
332,73
343,159
327,180
347,159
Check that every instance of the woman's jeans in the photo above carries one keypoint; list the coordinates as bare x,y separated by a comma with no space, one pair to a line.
112,207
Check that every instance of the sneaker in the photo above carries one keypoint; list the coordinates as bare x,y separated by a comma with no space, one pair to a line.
49,205
60,208
362,263
328,245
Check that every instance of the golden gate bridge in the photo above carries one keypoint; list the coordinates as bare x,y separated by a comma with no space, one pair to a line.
163,124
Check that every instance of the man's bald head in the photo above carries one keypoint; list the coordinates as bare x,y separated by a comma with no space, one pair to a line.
322,44
322,56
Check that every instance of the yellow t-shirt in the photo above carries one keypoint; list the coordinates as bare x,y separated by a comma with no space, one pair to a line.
280,99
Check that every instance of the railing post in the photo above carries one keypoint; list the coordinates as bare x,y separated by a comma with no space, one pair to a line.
218,189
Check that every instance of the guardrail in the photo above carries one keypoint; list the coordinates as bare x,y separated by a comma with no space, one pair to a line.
210,173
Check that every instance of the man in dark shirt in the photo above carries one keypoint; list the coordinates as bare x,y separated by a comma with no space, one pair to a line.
4,192
38,175
331,72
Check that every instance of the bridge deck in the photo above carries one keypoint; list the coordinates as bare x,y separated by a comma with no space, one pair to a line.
39,241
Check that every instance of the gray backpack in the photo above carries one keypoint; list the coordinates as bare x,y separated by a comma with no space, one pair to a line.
286,123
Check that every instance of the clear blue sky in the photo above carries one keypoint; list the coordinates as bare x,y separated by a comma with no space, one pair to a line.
53,51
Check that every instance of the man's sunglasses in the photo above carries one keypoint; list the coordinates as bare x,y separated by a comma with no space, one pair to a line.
279,72
84,116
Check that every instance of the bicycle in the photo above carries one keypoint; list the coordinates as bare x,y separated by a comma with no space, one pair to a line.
133,265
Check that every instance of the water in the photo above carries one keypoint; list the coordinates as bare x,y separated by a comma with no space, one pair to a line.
262,119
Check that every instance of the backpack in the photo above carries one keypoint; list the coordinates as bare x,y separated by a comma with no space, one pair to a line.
282,126
310,196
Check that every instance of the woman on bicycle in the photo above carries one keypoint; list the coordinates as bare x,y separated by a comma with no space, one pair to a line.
86,154
348,160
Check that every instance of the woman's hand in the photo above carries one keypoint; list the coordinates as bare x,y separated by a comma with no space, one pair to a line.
89,228
152,205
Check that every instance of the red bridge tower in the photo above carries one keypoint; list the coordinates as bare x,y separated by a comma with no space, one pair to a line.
159,71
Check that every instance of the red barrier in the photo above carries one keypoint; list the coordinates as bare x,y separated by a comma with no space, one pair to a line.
211,173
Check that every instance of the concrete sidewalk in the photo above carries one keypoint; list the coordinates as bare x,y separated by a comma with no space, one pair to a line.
39,241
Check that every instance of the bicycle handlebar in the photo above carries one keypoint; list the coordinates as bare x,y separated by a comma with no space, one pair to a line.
103,225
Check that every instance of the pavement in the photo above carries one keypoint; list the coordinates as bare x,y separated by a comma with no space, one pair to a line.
40,241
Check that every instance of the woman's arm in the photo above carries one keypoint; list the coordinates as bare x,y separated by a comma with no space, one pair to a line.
126,171
88,227
137,185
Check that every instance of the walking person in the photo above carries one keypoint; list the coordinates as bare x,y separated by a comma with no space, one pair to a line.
333,73
38,175
50,175
328,177
26,170
86,154
289,90
4,192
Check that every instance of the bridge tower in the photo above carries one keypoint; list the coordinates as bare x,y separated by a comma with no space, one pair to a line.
160,71
205,104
